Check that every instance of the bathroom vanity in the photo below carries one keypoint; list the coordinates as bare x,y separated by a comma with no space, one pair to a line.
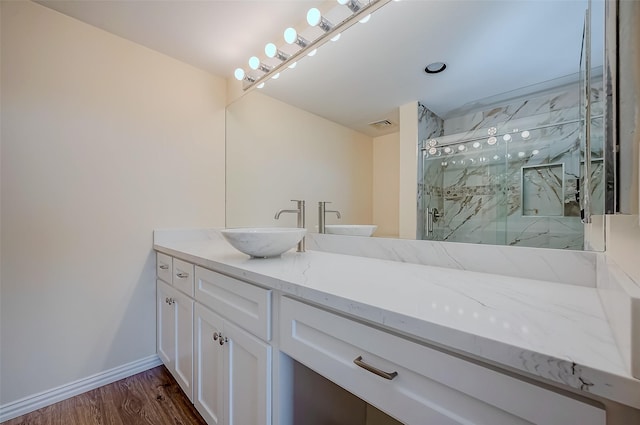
424,344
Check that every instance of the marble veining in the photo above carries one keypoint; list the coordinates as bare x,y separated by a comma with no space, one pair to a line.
566,266
554,331
484,190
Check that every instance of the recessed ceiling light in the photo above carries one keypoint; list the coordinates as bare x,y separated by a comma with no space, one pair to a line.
435,67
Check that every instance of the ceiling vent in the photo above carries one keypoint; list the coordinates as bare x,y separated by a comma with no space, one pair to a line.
380,125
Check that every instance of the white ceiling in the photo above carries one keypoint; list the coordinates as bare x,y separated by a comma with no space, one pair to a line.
490,47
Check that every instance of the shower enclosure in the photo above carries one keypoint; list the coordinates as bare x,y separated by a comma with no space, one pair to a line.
522,169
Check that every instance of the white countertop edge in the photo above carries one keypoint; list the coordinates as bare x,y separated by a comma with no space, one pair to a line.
616,387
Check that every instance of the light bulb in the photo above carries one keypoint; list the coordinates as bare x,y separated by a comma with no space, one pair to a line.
261,85
462,148
270,50
365,19
506,137
535,152
313,16
239,74
525,134
492,140
336,37
290,35
343,2
254,62
313,52
293,65
276,76
476,145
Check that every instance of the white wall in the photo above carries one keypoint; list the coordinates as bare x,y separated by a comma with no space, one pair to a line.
102,141
386,184
276,152
408,170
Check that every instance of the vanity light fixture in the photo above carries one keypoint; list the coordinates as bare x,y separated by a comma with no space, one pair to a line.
273,52
315,19
254,62
353,5
360,11
291,37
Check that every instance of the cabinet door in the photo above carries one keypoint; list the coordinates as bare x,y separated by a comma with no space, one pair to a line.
209,391
183,360
247,378
165,327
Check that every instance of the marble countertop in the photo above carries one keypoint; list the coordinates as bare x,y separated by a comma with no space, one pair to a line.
554,331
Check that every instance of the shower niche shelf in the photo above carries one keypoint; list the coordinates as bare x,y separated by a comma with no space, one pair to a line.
542,190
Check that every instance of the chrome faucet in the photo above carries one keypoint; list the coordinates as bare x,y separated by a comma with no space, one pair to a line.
301,220
322,211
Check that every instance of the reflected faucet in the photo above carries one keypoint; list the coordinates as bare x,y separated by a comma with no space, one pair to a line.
322,211
300,211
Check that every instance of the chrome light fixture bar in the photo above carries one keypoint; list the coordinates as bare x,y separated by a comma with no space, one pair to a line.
307,47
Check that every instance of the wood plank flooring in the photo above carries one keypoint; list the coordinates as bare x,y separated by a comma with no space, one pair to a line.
150,397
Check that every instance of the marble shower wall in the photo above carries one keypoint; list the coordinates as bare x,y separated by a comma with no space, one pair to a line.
510,173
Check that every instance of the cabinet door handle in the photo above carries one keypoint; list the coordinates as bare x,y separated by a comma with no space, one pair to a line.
372,369
218,336
164,267
166,300
182,275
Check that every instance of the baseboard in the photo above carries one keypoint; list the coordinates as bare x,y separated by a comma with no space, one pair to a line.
63,392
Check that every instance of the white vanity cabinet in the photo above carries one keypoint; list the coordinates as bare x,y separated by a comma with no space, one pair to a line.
414,383
175,334
232,372
232,360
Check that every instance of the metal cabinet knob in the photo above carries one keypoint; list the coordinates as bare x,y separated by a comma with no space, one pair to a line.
218,337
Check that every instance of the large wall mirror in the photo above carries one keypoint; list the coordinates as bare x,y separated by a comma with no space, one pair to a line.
505,146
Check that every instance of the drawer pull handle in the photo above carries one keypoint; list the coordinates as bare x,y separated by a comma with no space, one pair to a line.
182,275
382,373
164,267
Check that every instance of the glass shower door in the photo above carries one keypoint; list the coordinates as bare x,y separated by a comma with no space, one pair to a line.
462,190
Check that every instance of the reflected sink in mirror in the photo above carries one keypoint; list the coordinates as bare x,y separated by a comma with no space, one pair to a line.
263,242
350,229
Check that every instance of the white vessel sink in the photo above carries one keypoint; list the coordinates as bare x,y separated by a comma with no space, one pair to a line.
350,229
262,242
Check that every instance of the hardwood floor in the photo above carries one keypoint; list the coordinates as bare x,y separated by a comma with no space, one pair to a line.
150,397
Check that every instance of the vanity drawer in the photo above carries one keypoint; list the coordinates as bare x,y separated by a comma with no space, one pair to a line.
247,305
414,383
164,269
183,276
